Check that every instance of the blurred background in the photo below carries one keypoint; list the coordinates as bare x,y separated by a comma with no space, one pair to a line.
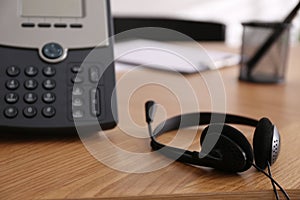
229,12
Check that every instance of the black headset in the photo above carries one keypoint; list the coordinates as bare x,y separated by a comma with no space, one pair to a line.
231,151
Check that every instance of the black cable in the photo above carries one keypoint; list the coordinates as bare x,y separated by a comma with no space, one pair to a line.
273,184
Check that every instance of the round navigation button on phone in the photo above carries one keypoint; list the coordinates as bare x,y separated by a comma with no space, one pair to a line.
52,50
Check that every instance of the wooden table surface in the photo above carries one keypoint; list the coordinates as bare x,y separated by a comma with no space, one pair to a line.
62,168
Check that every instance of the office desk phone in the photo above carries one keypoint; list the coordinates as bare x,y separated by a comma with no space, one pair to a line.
45,81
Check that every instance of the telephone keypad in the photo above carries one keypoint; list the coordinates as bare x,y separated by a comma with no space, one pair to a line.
29,91
35,89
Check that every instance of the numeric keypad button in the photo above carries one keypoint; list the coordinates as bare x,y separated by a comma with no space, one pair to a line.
30,84
49,71
49,97
30,112
31,71
30,97
13,71
10,112
49,84
48,111
12,84
11,98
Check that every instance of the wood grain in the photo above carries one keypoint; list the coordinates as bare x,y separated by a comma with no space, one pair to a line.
213,196
62,168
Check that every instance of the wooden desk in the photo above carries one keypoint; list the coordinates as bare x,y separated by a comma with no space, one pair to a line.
61,168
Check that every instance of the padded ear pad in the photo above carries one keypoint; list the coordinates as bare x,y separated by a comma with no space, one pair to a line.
262,142
235,136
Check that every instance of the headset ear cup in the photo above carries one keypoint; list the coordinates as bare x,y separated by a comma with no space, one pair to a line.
262,142
234,135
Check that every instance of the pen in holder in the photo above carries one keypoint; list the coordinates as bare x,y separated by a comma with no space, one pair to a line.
271,66
261,64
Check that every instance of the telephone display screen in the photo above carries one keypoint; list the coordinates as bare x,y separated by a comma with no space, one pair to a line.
52,8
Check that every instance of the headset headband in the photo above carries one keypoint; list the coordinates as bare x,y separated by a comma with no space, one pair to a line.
203,118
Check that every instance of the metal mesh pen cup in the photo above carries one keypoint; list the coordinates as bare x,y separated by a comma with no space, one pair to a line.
272,66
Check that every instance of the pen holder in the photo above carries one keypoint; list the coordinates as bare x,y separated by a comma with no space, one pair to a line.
272,65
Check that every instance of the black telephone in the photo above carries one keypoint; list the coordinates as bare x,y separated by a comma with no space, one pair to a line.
46,83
